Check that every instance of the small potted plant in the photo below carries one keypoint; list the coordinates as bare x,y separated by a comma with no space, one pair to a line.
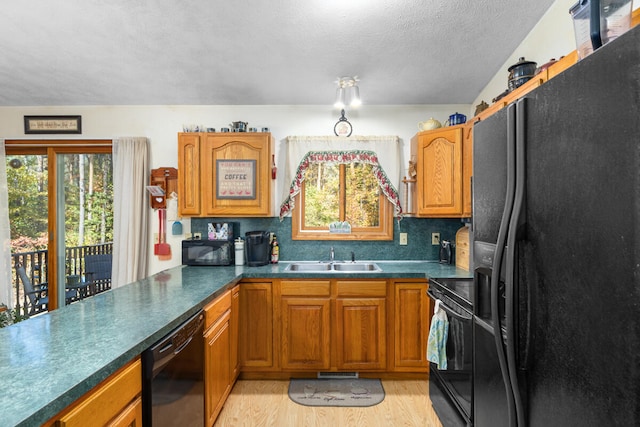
9,316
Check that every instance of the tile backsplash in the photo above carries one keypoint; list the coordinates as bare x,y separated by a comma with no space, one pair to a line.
419,245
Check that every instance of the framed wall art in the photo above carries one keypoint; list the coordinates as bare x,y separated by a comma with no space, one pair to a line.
52,124
235,179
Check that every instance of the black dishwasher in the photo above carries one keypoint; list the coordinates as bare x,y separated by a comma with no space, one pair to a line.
173,377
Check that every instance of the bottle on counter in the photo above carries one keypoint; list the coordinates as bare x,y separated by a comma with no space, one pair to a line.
274,169
275,250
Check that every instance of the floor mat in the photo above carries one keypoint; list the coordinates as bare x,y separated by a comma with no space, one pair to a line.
336,392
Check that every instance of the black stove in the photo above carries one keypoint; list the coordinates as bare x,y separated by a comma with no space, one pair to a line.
450,389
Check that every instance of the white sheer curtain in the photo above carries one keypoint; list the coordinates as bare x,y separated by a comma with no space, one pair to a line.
130,210
6,292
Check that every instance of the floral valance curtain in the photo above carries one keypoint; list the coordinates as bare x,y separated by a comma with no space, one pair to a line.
382,152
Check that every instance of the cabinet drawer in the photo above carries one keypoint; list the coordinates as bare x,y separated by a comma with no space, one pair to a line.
131,416
216,308
361,288
320,288
99,406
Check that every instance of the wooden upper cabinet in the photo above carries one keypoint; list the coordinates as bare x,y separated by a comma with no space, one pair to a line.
205,160
189,173
438,154
467,170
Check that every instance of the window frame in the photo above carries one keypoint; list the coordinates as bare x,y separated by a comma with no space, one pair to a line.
384,231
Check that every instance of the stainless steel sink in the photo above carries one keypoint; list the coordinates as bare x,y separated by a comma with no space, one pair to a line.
356,266
309,267
334,267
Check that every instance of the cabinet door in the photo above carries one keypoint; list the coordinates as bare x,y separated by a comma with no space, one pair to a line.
189,173
305,339
235,313
217,370
241,188
256,326
411,327
361,333
439,172
467,170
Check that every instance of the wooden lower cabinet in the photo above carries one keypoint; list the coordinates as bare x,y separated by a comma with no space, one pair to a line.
361,334
114,402
312,325
411,326
305,333
256,326
217,371
305,324
218,345
131,416
235,327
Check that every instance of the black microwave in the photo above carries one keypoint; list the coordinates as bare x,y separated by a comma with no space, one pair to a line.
207,252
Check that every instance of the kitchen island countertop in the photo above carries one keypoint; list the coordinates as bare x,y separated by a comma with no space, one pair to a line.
49,361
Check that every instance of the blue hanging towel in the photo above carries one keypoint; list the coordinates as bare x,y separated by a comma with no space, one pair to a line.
438,333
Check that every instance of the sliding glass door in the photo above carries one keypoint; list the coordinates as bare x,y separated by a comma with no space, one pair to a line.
61,215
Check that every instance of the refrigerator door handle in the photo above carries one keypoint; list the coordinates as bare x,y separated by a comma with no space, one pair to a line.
497,260
515,226
594,24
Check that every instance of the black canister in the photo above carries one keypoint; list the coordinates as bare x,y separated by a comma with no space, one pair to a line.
521,72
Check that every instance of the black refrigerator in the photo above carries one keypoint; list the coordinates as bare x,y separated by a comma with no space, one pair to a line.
556,229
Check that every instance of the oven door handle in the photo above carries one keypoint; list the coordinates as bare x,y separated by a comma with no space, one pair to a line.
449,311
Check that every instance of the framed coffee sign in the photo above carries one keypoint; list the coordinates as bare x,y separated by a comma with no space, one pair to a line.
52,124
235,179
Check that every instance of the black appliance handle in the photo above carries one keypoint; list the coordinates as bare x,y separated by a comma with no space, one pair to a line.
594,24
448,310
515,226
497,260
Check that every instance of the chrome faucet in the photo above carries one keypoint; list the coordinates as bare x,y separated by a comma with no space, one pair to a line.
332,254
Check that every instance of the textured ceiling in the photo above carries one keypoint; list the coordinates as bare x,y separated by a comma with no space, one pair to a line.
255,52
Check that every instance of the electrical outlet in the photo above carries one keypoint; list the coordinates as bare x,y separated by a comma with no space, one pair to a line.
435,238
403,239
197,236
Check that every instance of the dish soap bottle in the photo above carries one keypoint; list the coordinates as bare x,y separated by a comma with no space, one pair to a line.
275,250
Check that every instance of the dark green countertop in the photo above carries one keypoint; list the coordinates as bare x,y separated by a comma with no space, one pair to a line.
50,360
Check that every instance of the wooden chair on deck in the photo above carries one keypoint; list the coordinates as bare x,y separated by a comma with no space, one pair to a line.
38,299
98,272
37,294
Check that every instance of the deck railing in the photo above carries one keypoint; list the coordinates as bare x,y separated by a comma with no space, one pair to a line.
36,267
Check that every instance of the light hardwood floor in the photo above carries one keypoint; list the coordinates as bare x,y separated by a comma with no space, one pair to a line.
255,403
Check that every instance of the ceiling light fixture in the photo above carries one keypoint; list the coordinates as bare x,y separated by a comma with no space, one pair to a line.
348,92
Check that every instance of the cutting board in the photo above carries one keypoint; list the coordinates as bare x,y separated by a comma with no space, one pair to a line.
463,248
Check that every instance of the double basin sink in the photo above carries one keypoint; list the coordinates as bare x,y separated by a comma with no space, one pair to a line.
338,267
